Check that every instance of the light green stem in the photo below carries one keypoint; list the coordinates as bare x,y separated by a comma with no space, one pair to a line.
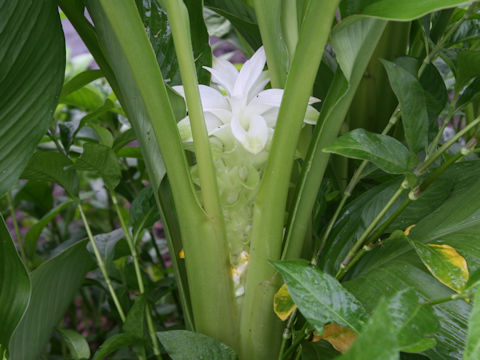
258,324
101,264
138,273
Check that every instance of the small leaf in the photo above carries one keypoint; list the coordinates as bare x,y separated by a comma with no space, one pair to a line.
106,244
103,161
76,343
386,152
114,343
339,337
134,323
411,97
31,238
14,286
283,304
444,263
187,345
54,167
79,81
319,297
472,348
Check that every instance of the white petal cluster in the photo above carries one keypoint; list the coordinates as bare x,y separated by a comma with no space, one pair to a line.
240,107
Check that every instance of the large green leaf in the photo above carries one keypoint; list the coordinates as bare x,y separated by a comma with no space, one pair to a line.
472,349
319,297
411,97
455,222
397,323
468,67
102,160
186,345
242,17
31,238
32,63
54,284
386,152
396,10
14,286
53,167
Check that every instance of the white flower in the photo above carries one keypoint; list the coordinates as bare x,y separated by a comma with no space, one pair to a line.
246,111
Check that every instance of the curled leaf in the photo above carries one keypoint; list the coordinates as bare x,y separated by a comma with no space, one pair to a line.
341,338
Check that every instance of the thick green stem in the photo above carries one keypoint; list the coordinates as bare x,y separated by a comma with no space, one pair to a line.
101,264
138,273
258,324
208,268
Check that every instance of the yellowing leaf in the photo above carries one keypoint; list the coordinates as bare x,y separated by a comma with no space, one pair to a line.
445,264
339,337
407,230
283,304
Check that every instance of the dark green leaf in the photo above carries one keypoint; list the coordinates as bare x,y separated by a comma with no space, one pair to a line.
86,98
31,238
143,211
396,10
242,17
114,343
471,93
35,198
103,161
80,81
398,322
76,343
14,286
53,167
186,345
123,139
32,59
413,105
468,67
468,30
54,285
472,349
106,244
318,350
134,324
386,152
319,297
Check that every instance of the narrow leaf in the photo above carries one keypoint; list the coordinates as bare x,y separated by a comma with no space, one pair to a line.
186,345
319,297
79,81
14,286
386,152
413,105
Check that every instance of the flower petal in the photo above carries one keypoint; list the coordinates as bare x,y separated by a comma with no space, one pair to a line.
212,122
224,115
180,90
250,73
212,98
255,138
223,73
185,130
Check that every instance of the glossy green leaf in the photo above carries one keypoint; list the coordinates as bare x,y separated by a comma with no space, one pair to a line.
114,343
14,286
397,321
102,160
472,348
445,264
468,67
31,238
241,15
54,285
86,98
454,221
319,297
53,167
79,81
32,59
386,152
186,345
143,211
413,105
396,10
76,343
